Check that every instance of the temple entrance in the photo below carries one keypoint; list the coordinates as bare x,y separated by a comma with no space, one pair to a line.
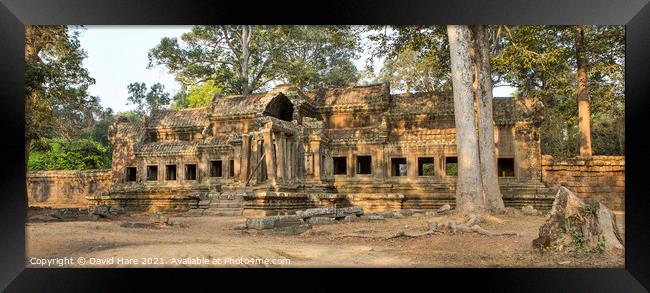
280,107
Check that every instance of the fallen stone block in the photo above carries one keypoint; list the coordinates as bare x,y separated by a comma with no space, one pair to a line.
87,217
430,214
375,217
320,220
444,208
317,212
347,211
287,221
262,223
397,215
66,213
100,210
117,210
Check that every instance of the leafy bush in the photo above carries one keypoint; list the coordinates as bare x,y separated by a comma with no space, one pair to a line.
61,154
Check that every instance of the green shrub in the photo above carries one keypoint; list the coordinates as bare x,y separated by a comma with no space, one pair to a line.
61,154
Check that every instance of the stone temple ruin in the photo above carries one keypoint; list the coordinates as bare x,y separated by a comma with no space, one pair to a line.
287,150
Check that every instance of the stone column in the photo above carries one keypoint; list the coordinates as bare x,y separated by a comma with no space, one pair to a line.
378,163
281,157
412,166
351,164
438,162
315,147
290,159
269,157
245,157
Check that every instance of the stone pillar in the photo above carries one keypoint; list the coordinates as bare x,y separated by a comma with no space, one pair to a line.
281,157
269,157
315,147
245,157
438,162
351,163
290,159
412,166
378,162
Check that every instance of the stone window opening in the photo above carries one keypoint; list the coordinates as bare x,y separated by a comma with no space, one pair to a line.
152,173
340,165
426,166
170,172
398,167
216,168
364,165
231,168
184,136
131,174
506,167
451,166
190,172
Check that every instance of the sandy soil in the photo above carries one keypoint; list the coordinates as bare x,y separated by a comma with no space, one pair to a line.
213,240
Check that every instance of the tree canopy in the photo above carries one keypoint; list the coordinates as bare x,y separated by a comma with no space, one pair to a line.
56,83
244,59
538,61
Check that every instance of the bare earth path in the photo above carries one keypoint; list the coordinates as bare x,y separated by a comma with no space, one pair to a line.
213,239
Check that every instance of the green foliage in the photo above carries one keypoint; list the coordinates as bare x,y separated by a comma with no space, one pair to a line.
428,169
416,58
61,154
56,83
243,59
451,169
147,101
601,244
196,96
540,61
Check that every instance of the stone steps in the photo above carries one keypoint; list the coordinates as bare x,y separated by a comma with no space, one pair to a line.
220,204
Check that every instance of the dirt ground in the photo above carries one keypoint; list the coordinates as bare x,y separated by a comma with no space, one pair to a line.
212,242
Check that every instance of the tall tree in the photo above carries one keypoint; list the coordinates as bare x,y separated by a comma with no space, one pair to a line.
584,116
540,61
483,95
470,197
149,101
248,58
56,83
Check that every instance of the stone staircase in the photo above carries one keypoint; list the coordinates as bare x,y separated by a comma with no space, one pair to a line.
220,204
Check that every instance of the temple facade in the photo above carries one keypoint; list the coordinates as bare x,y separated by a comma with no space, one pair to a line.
289,149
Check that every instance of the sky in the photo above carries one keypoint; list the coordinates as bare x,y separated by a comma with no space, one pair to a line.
117,56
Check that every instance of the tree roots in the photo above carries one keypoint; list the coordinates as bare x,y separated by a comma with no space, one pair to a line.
449,226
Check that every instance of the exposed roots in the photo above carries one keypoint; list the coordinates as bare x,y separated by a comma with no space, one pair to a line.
449,225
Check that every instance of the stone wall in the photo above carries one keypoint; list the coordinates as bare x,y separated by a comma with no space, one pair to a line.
65,188
601,178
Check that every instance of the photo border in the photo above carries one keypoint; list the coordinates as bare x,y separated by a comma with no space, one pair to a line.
14,14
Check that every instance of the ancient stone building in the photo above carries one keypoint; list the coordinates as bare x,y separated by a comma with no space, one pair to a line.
289,149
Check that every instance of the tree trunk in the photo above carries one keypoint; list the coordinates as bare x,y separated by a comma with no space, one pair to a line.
584,138
245,44
469,192
483,94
